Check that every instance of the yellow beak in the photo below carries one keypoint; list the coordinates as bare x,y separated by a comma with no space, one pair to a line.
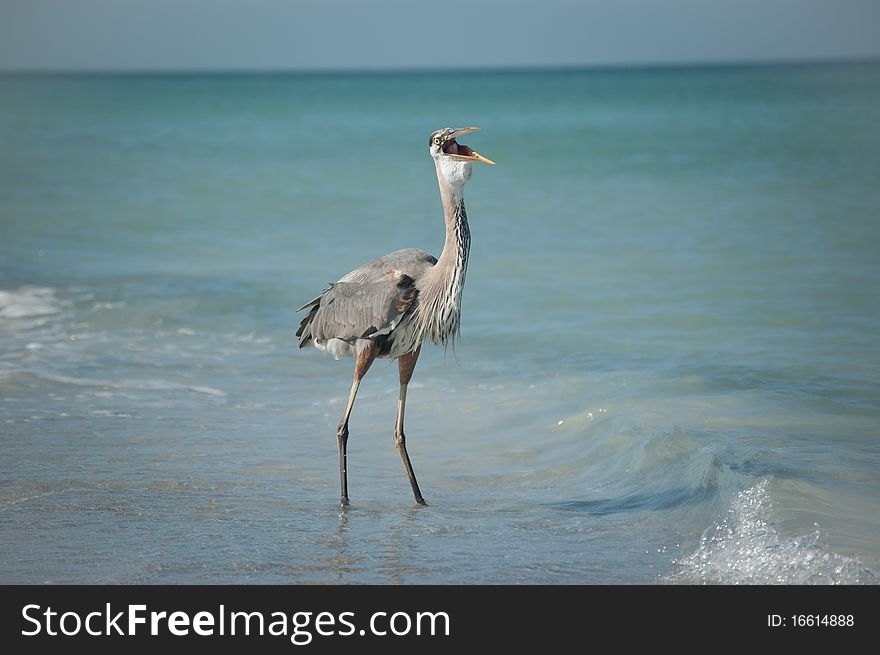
474,156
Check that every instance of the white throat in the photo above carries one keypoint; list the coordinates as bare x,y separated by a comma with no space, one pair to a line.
455,173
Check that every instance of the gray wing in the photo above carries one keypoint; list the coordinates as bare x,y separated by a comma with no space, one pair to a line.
367,303
409,261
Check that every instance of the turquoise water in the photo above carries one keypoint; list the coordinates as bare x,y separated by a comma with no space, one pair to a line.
669,368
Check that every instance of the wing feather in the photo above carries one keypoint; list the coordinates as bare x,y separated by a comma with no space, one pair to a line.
368,302
358,310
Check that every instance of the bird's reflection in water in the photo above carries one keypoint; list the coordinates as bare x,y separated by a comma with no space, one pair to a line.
394,548
342,560
400,549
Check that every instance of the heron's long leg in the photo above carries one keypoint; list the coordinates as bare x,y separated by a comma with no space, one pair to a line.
406,364
365,357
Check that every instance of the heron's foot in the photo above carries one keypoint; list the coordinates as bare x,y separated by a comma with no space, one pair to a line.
421,501
343,503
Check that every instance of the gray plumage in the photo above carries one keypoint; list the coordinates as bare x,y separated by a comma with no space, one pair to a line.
369,302
389,306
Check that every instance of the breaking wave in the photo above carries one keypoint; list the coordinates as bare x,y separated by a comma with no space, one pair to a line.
28,302
746,549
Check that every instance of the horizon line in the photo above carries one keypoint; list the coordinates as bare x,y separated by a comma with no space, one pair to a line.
476,69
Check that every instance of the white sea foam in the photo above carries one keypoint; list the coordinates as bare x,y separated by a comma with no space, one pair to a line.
98,306
28,302
746,549
140,385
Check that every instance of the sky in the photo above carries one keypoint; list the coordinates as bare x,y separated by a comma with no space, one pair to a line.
176,35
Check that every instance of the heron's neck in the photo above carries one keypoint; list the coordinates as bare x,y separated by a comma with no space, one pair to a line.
452,264
440,295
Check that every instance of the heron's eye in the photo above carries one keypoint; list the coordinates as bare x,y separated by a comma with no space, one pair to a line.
437,140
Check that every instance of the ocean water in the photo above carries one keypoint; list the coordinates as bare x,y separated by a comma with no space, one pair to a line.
669,369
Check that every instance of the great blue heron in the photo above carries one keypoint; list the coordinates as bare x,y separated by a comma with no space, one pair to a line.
386,308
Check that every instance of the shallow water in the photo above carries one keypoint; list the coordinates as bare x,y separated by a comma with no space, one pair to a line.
668,370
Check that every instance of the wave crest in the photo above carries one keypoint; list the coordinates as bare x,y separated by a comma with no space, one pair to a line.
746,549
28,302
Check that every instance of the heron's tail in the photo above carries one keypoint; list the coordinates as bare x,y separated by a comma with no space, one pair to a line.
304,332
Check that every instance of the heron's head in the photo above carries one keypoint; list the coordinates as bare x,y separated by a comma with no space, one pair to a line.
453,159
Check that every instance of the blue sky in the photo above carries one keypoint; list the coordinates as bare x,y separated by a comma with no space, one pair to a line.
394,34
